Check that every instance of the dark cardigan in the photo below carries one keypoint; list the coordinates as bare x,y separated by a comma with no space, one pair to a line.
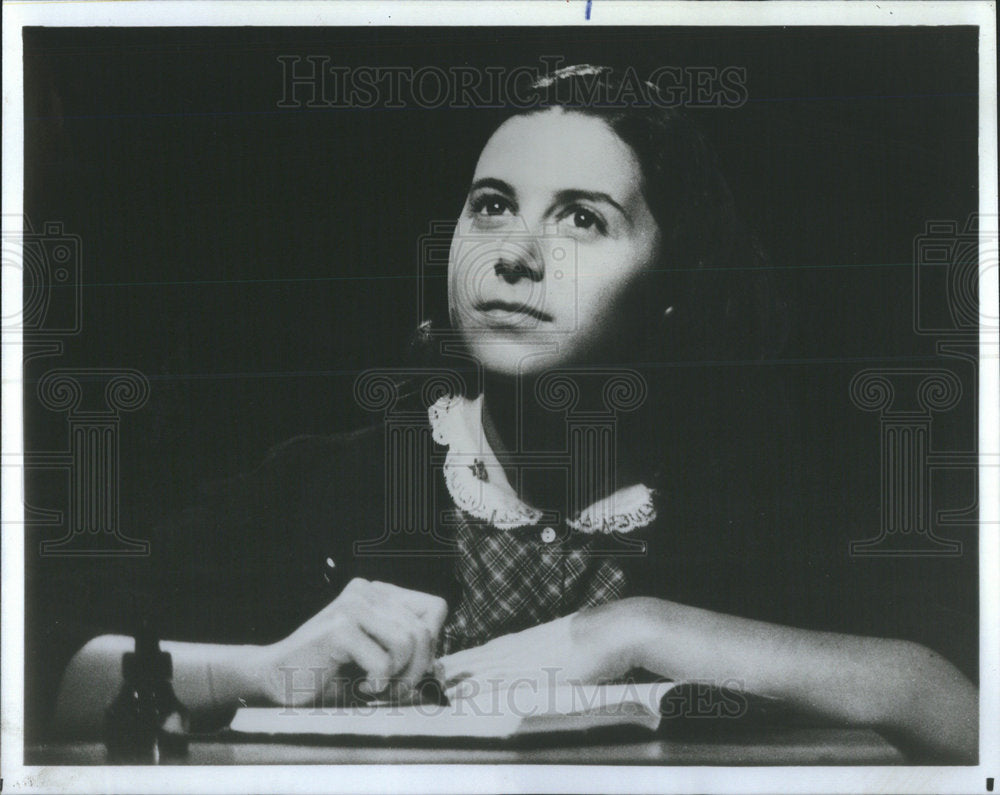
252,561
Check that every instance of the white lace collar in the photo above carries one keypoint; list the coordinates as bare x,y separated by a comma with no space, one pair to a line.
479,486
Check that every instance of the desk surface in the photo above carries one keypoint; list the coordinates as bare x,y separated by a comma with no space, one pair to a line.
752,746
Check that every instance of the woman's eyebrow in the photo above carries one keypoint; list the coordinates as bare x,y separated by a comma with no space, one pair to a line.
492,182
574,194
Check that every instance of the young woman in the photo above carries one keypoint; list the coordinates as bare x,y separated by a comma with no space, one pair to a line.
592,236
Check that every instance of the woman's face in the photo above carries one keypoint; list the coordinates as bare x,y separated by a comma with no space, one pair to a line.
554,233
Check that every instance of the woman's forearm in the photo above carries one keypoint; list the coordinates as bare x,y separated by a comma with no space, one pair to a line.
206,678
889,684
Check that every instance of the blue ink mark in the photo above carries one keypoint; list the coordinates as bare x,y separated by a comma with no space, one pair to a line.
589,4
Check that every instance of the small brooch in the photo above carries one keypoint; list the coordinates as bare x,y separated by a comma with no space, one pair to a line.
479,470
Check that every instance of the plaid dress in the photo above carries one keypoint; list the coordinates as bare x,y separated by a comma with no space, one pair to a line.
513,570
514,579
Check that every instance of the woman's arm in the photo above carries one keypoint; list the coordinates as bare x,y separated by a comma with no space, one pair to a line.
896,686
208,678
385,633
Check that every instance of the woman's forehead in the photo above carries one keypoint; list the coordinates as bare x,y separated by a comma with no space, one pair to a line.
554,150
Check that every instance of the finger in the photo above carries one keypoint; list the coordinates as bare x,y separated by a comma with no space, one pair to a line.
422,661
396,632
470,687
491,650
458,666
408,639
356,584
353,593
432,609
355,645
496,655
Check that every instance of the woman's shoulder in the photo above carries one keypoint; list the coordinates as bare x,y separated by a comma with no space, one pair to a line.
306,448
299,460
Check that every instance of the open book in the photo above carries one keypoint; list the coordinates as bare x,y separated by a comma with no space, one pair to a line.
498,713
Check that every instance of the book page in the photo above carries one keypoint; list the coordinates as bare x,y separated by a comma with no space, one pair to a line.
496,713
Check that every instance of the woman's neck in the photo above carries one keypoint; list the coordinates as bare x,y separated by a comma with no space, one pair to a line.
514,422
513,419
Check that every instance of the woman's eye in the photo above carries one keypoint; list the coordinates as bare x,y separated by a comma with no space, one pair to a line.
490,205
585,219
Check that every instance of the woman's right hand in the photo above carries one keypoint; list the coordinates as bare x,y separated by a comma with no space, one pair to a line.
381,634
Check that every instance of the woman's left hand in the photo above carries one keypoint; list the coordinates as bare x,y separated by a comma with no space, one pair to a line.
594,645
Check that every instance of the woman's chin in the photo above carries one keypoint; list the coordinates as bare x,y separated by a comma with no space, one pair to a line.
516,357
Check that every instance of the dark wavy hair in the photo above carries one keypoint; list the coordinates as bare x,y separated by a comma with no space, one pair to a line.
712,274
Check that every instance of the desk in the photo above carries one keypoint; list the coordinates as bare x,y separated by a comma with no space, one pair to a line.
744,746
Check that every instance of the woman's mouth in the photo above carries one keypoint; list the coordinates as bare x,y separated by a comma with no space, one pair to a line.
508,314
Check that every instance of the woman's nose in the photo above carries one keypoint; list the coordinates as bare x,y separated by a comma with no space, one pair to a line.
512,272
519,259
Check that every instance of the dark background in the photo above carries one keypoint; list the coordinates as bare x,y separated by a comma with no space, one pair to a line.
252,260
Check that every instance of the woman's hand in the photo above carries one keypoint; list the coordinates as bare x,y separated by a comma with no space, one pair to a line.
594,645
896,686
380,634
